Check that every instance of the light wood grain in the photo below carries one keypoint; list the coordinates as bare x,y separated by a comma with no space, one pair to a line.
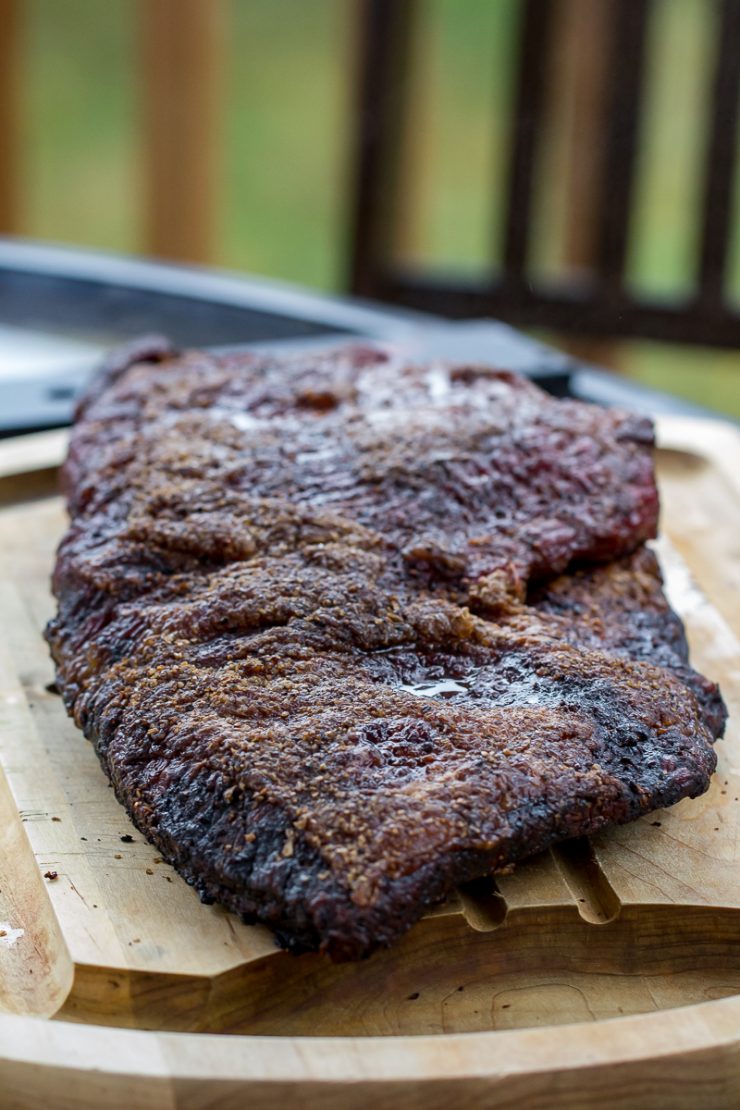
685,1060
641,925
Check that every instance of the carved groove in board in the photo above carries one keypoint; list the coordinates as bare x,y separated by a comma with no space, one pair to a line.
594,896
482,904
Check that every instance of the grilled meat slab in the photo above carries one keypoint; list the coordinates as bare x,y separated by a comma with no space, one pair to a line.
466,475
293,621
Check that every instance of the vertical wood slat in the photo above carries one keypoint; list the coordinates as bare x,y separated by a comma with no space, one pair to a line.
582,45
10,33
721,158
583,51
181,52
623,113
384,33
528,112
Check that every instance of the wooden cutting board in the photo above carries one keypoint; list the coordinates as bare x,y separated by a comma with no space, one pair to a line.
607,968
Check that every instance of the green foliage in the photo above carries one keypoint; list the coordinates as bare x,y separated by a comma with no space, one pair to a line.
80,159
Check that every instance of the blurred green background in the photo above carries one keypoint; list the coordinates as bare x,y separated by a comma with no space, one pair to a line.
286,95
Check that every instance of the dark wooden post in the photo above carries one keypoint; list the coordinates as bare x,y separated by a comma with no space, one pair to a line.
383,51
527,122
584,34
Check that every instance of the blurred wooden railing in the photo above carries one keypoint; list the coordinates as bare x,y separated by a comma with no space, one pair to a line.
179,51
596,301
598,45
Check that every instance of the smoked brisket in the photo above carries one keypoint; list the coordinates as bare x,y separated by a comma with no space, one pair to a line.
323,620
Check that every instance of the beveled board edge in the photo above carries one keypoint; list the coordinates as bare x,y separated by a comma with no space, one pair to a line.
37,451
683,1058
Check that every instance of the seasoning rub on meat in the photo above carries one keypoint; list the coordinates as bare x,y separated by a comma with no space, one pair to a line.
346,632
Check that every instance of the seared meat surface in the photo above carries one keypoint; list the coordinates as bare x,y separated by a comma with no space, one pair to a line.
466,475
310,616
621,608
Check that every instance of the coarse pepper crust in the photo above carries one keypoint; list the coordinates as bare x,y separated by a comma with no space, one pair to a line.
346,632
